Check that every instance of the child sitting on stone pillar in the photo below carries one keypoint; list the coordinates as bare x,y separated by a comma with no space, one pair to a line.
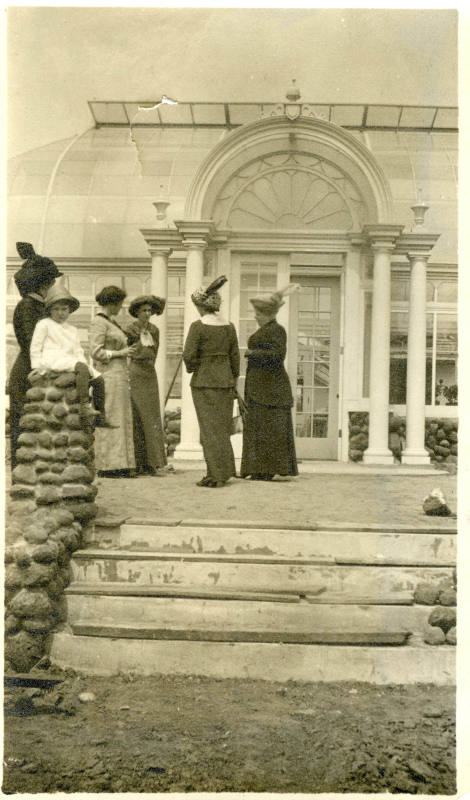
56,347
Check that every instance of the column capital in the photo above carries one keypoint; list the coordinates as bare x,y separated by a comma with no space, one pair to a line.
196,232
416,246
382,237
161,240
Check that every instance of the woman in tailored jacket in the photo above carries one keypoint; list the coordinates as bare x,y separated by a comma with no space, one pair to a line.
33,280
268,435
211,354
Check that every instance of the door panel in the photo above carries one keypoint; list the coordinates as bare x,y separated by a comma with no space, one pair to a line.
314,366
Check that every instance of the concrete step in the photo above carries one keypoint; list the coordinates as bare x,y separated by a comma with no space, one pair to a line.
177,574
100,655
315,546
144,606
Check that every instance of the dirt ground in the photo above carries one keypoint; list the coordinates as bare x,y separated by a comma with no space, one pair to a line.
183,734
310,497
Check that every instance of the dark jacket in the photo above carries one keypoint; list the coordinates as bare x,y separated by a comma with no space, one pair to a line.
267,381
211,353
26,315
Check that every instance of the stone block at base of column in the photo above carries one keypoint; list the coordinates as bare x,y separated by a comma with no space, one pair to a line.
384,456
415,457
188,451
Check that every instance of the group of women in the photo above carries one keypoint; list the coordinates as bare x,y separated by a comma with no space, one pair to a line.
211,353
132,442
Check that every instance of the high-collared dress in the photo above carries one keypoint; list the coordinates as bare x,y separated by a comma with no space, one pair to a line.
114,448
268,435
211,353
26,315
149,442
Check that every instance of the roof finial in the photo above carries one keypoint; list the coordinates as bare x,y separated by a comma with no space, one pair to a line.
293,94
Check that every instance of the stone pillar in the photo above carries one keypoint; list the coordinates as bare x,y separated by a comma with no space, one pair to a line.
382,239
52,500
352,373
189,447
159,287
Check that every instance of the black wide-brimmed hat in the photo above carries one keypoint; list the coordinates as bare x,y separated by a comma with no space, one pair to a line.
35,271
157,304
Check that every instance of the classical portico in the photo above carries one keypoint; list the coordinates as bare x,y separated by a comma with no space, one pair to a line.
301,199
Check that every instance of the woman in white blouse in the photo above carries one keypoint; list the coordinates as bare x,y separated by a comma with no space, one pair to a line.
114,449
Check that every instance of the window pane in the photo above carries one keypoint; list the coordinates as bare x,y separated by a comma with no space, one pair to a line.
321,399
447,292
80,285
430,291
320,426
400,289
398,357
303,425
322,374
446,360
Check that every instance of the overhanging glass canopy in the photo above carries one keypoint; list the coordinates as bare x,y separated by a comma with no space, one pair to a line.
231,115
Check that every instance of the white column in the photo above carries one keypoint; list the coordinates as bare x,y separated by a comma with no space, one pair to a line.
159,287
378,451
352,372
189,447
415,452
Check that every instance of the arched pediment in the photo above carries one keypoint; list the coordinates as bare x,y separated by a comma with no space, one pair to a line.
274,173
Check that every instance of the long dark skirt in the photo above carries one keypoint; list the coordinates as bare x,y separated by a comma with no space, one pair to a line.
214,409
18,385
149,444
268,441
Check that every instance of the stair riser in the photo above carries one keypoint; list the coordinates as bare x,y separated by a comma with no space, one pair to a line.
322,546
242,615
322,581
307,663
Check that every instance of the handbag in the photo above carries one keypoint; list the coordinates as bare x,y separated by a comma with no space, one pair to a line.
237,420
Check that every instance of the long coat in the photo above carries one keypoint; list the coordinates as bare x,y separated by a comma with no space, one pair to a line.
149,443
267,381
27,314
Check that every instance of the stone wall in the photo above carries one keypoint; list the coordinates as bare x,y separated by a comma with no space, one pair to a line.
441,437
172,430
51,502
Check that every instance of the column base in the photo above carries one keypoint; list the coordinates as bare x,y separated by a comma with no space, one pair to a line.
384,456
415,457
188,451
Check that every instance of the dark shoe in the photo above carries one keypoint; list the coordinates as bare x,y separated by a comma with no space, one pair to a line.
216,484
88,416
205,481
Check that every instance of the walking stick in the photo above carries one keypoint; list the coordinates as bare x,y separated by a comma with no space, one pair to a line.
173,379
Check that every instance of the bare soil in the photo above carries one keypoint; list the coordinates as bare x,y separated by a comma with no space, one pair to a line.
190,734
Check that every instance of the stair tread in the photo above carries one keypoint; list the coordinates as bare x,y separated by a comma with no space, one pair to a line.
113,588
148,631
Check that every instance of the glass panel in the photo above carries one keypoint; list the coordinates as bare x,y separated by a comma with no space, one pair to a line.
305,373
321,399
322,374
133,286
306,298
398,357
430,290
246,309
322,348
249,279
320,426
303,426
400,289
447,292
267,282
304,399
247,327
324,298
107,280
446,360
429,342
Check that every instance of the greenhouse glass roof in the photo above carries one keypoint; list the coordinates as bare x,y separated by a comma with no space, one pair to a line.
358,116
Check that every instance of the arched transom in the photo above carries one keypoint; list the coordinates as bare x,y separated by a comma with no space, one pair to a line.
290,191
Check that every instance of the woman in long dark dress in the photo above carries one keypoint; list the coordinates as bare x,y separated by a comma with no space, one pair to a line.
33,280
149,444
211,353
268,434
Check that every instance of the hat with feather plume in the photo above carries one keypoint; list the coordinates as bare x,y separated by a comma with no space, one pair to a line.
209,298
271,303
35,271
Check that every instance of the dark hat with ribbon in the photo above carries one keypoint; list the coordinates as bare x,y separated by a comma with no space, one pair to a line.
157,304
35,271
